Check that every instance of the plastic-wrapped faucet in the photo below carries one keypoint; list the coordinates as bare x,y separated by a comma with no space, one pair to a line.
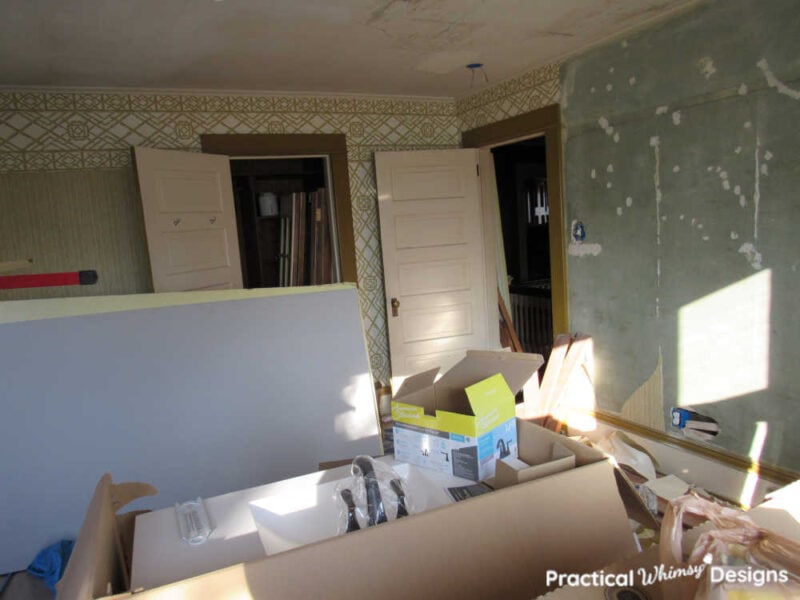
373,494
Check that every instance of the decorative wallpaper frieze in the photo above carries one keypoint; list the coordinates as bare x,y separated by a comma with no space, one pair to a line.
529,91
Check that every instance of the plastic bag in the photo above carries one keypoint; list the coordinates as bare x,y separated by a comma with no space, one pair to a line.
373,494
735,554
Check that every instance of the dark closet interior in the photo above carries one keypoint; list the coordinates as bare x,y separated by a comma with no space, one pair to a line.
285,220
521,172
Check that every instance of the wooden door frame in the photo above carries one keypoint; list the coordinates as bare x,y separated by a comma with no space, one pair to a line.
544,121
333,145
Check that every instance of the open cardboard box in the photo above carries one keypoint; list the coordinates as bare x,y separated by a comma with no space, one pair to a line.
498,545
539,458
464,422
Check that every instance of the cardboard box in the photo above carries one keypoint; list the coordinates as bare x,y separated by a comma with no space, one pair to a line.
498,545
464,422
541,457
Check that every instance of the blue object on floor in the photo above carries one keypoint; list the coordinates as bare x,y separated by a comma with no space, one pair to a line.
51,562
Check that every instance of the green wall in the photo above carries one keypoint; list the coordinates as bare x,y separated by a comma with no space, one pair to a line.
681,161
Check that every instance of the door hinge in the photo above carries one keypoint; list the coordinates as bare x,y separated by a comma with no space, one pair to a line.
478,169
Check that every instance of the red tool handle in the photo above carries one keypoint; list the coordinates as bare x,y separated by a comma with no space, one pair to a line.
10,282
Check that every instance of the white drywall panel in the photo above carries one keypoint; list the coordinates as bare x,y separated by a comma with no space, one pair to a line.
197,399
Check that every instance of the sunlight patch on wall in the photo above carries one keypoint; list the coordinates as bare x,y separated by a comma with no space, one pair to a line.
723,342
756,447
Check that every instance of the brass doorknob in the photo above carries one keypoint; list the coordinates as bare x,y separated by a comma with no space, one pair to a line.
395,306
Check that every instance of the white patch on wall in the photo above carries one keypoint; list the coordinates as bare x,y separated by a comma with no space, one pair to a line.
756,196
706,67
616,137
662,110
676,117
738,150
705,238
611,70
742,89
682,217
624,43
768,155
663,217
592,90
742,201
632,80
610,168
619,211
764,169
593,174
655,143
734,235
628,201
747,125
726,184
609,87
753,256
699,225
773,81
608,185
580,249
737,190
676,168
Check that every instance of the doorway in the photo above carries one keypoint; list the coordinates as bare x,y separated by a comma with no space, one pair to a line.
286,221
521,176
541,124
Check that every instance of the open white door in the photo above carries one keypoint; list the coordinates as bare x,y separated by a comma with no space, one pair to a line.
435,267
190,220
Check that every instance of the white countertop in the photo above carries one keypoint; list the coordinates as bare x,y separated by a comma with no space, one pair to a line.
161,557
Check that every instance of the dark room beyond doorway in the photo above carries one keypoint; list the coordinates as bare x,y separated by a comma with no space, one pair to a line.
521,172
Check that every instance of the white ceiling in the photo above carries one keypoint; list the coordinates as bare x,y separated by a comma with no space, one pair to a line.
406,47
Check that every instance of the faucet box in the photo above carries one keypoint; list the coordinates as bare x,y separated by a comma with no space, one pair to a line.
464,422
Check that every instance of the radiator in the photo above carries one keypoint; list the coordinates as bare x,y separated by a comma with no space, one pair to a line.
533,321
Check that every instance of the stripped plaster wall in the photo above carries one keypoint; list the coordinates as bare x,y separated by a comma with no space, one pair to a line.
681,163
68,193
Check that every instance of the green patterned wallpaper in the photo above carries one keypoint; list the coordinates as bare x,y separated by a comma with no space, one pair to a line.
47,138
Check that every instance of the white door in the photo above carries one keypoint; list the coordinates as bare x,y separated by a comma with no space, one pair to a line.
190,220
435,267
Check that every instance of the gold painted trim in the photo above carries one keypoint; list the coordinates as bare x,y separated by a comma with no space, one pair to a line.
544,121
774,473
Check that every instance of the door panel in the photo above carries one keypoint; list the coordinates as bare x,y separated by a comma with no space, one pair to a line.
426,231
441,276
427,182
433,253
190,220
